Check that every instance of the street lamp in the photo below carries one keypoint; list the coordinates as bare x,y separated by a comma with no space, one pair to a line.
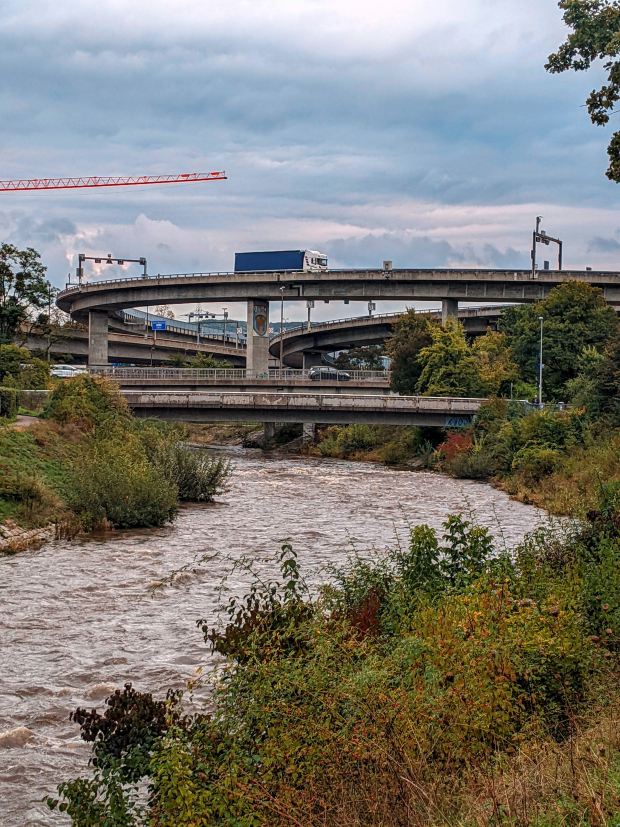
540,363
282,289
225,309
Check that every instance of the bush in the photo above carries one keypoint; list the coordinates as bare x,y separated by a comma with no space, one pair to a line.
8,403
196,476
345,441
11,358
88,400
536,462
111,480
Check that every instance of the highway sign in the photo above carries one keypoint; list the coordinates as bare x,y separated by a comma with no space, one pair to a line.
158,325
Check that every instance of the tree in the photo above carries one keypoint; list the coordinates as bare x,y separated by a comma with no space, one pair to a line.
360,358
207,362
596,34
11,359
448,366
575,316
495,367
163,310
23,288
411,334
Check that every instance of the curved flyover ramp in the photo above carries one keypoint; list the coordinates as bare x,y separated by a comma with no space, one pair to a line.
303,348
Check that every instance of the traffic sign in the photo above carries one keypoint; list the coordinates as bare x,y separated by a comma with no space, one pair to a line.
158,325
239,330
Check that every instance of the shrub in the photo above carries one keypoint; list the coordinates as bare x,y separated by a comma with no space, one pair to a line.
35,375
196,476
89,400
345,441
11,357
111,480
8,403
536,461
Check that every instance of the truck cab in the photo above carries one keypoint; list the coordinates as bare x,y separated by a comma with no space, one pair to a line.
313,260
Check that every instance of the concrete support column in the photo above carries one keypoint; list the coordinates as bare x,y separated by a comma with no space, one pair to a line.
98,338
311,360
257,363
270,431
309,431
449,307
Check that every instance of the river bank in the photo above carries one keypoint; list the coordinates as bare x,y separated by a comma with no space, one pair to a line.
79,618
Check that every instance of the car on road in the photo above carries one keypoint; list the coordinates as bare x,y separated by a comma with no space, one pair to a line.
324,372
66,371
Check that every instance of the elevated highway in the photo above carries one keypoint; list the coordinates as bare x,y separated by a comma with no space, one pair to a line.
140,350
303,347
93,302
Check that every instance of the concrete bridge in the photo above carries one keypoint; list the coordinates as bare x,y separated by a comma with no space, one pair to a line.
222,379
303,407
304,347
132,347
94,302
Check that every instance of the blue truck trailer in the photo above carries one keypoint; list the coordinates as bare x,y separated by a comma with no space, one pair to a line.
280,260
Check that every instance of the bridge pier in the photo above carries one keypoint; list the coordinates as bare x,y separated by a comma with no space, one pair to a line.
98,338
257,351
312,360
308,432
269,431
449,307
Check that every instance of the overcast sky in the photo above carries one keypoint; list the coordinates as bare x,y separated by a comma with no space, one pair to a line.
424,132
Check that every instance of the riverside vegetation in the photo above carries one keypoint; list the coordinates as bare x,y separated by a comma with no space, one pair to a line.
553,458
446,682
88,463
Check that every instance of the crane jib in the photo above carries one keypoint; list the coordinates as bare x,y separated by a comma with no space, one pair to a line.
110,181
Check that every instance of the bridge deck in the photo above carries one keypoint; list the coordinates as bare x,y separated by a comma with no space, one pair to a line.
303,407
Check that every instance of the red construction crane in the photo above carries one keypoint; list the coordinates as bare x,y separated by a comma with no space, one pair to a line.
111,181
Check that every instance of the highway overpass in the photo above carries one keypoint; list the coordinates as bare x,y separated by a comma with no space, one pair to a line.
95,301
303,347
132,348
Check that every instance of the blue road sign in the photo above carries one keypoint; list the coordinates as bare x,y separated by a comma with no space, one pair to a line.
158,325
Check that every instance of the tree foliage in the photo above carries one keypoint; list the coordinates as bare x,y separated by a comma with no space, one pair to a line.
595,35
360,358
448,367
411,333
23,288
575,316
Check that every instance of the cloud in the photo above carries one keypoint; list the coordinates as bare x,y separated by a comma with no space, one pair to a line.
426,133
603,245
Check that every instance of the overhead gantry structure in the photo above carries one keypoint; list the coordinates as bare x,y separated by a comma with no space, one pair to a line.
93,302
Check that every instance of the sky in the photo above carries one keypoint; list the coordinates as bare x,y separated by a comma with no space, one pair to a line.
424,133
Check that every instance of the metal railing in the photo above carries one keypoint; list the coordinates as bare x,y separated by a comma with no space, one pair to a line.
238,374
483,310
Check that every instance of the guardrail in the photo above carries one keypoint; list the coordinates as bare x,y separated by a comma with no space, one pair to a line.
287,374
482,310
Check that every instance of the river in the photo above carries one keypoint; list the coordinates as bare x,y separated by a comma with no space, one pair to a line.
78,618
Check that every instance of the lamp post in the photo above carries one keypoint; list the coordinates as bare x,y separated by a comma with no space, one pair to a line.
282,289
225,309
540,362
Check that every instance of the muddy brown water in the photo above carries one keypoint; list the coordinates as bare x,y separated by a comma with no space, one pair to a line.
78,619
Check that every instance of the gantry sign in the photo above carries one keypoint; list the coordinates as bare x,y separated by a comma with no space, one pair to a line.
109,260
540,237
